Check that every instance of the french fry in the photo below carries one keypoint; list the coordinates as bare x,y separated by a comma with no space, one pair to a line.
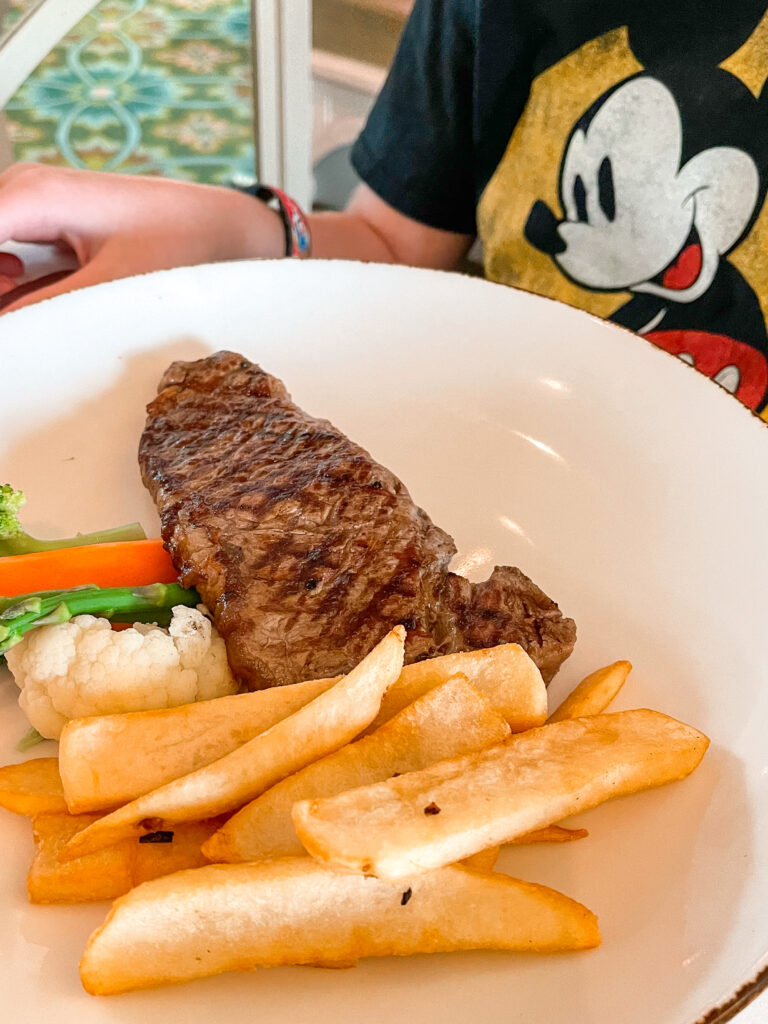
102,875
483,860
550,834
433,817
108,760
449,720
227,917
159,746
111,872
325,724
593,694
32,787
154,860
505,674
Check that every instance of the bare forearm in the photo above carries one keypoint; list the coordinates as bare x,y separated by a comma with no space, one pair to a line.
116,225
339,236
371,230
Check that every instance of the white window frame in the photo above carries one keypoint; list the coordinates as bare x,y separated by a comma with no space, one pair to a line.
33,37
283,94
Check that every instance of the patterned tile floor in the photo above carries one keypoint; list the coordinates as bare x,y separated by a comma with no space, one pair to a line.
145,87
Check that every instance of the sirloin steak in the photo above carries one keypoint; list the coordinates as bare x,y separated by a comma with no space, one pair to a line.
303,547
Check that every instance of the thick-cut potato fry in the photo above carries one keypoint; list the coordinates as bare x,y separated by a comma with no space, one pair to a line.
110,759
593,694
154,860
159,746
325,724
550,834
106,874
452,719
483,860
227,917
433,817
32,787
102,875
505,674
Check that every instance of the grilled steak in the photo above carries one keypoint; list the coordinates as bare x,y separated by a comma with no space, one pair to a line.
304,548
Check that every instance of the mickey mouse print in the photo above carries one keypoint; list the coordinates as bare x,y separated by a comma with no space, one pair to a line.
634,184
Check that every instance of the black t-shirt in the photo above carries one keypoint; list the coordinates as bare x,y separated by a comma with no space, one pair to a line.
611,154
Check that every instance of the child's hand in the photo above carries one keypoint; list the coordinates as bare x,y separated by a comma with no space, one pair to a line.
118,225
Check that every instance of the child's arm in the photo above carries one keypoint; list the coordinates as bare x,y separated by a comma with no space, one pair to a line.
118,225
370,229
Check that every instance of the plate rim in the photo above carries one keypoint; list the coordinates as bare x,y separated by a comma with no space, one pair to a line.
739,1001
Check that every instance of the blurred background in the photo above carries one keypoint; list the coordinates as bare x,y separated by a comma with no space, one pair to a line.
353,43
205,90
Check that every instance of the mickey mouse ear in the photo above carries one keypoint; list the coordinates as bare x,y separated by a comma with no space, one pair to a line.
664,33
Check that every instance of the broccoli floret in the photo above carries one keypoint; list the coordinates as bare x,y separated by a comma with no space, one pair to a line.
14,540
10,504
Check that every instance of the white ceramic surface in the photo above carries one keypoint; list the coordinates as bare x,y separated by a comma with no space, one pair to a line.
631,488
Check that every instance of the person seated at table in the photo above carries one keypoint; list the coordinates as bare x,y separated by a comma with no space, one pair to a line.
612,154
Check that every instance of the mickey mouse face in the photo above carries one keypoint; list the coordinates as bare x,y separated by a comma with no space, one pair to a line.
634,218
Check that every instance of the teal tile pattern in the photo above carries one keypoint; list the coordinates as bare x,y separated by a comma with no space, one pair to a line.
145,87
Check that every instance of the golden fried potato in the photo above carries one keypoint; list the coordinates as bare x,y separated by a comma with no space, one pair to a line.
325,724
483,860
593,694
32,787
159,746
433,817
108,873
108,760
102,875
550,834
228,917
505,674
153,860
452,719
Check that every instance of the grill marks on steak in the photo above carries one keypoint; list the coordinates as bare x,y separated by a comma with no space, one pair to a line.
305,549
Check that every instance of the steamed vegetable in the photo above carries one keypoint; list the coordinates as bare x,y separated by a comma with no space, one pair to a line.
21,614
30,739
82,667
126,564
15,541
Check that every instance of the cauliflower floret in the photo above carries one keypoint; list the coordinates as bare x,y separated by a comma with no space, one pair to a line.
84,667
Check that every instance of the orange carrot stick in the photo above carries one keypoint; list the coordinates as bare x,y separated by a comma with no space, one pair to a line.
119,564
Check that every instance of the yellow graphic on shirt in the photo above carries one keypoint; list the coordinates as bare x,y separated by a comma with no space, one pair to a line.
750,64
538,239
750,61
529,170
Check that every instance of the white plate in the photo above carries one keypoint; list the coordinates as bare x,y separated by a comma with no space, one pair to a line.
632,489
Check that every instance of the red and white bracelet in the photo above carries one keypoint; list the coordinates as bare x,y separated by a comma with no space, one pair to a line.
298,238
